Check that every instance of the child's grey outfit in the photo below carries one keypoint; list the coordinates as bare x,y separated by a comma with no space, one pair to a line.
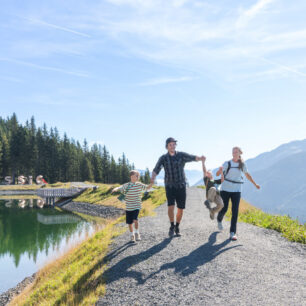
213,194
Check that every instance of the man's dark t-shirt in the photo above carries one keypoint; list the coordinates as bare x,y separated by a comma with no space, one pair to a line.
211,183
174,168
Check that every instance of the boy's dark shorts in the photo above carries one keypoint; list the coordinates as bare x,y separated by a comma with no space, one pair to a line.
177,195
131,215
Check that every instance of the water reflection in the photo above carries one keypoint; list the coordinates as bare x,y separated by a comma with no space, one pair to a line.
29,236
57,219
25,230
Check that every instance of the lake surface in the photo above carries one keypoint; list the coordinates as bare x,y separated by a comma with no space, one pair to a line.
31,235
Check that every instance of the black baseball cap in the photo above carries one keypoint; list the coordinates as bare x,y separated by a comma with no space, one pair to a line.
170,139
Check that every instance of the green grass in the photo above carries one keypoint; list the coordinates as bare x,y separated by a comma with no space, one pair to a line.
19,187
289,228
77,278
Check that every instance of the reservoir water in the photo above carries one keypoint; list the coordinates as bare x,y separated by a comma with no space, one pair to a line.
31,235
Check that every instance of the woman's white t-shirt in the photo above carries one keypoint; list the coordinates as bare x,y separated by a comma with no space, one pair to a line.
234,174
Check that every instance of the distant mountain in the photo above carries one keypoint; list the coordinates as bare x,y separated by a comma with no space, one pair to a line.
283,187
281,175
267,159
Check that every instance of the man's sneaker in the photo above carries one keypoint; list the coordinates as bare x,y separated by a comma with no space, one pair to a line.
133,238
211,214
233,236
137,237
171,231
207,204
220,226
177,231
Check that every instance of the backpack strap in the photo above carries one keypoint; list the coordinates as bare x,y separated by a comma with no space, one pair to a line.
228,168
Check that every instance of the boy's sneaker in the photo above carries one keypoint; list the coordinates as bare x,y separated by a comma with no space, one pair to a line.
171,231
207,204
137,237
211,214
220,226
177,231
133,238
233,236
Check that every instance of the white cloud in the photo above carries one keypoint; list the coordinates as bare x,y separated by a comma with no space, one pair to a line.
208,38
41,67
10,79
57,27
283,67
247,15
165,80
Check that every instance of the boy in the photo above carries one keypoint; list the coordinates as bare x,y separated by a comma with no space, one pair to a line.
212,192
132,192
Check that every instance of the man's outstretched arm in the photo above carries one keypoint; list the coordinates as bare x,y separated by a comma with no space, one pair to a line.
189,158
157,169
153,177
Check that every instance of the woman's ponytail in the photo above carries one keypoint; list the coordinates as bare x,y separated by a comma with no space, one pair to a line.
240,160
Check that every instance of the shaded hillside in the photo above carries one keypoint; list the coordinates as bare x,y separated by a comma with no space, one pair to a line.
283,187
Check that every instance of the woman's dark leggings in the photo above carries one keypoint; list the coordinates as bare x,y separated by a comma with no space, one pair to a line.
235,197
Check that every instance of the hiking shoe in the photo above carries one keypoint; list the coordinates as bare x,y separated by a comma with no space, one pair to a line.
211,214
220,226
207,204
137,237
133,238
171,231
233,236
177,231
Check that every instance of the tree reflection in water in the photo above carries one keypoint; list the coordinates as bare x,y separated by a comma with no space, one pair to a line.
26,230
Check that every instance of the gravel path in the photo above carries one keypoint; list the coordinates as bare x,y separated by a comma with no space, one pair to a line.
203,267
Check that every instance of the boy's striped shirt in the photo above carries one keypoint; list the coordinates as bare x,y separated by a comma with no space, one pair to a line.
133,196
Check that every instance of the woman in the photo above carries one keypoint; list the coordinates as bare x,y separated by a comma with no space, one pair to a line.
231,188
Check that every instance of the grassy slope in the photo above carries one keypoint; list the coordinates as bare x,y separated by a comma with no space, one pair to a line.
77,277
289,228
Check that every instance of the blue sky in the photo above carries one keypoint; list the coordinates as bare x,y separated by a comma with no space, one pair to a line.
128,74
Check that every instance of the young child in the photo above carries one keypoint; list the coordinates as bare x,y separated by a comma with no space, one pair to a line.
132,192
212,192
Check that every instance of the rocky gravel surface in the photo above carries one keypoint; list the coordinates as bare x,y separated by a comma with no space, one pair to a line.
203,267
7,296
108,212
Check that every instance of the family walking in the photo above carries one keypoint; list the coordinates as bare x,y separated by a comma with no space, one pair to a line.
173,163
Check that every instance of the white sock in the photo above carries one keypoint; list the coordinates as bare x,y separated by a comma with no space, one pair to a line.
136,231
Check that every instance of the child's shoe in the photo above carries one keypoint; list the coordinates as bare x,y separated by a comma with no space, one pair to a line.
207,204
137,237
220,226
212,214
133,238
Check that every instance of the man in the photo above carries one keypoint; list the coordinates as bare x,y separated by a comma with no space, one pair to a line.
175,181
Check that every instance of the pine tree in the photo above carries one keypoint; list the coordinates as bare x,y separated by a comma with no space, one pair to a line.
28,150
105,161
1,154
86,170
147,176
